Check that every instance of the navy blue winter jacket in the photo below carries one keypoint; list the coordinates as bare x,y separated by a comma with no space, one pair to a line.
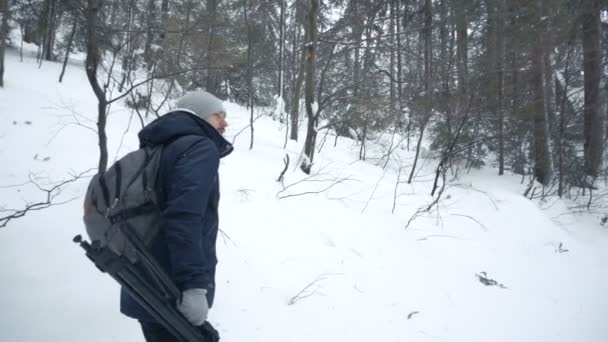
188,185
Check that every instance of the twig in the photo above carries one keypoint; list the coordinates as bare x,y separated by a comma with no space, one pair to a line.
374,191
483,278
307,179
472,218
225,236
396,187
440,236
286,161
51,194
245,128
122,138
339,181
305,293
480,191
411,314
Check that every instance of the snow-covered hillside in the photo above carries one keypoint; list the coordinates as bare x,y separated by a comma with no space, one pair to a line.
295,265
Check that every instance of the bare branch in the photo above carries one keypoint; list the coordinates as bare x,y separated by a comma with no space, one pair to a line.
245,128
339,181
306,291
286,161
374,191
51,194
473,219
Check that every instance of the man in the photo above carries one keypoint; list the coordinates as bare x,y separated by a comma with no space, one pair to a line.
188,188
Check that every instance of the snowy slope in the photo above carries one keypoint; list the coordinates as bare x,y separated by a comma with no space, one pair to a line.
332,266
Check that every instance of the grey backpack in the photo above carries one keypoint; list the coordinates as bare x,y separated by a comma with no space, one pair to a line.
121,207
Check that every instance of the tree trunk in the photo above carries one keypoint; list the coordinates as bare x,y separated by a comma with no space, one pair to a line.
164,17
462,50
500,45
295,96
399,65
542,171
150,19
250,99
428,47
4,15
91,63
562,96
310,47
393,62
49,29
128,59
68,48
593,122
444,63
427,34
212,76
281,49
411,177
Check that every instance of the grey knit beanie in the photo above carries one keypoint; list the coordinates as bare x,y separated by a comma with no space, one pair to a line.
201,103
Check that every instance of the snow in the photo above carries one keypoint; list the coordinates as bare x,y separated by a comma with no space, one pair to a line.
332,266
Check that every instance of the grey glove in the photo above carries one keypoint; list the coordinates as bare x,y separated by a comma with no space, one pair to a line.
194,306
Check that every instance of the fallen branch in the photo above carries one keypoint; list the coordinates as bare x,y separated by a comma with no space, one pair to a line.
286,161
483,278
336,182
306,291
473,219
411,314
51,194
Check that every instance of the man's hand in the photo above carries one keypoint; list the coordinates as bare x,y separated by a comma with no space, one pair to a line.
194,306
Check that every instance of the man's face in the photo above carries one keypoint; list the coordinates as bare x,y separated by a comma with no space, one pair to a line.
218,121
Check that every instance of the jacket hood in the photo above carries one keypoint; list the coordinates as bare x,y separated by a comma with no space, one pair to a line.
180,123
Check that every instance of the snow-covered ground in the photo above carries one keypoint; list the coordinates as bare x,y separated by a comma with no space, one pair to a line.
332,266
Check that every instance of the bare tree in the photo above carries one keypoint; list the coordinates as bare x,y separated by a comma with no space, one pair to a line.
91,64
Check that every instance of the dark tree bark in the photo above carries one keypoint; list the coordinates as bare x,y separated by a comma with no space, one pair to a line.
496,68
592,62
49,28
298,75
462,49
500,42
309,91
281,49
427,34
212,75
3,30
250,99
295,99
91,64
164,16
397,7
150,19
69,48
392,47
542,171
